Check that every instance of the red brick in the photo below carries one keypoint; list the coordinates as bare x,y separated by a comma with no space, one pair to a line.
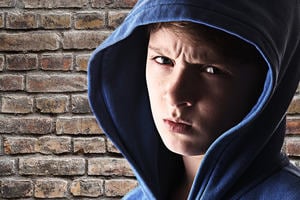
292,146
87,187
2,60
7,3
113,3
74,39
51,188
119,187
57,166
89,145
80,104
55,21
29,41
77,125
56,83
52,104
109,167
26,125
115,18
55,3
7,166
82,62
294,107
19,145
16,104
1,20
94,20
21,21
55,62
293,126
22,62
111,148
11,82
15,188
53,145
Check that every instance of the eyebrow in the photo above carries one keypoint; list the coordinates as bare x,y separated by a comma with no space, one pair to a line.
159,50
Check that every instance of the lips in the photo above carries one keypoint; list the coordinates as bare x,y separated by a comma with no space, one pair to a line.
177,126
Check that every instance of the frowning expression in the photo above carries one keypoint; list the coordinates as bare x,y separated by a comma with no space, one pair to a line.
196,92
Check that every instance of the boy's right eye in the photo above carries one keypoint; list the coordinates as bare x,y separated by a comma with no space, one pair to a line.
162,60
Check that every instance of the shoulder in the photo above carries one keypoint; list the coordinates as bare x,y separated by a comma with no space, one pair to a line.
282,185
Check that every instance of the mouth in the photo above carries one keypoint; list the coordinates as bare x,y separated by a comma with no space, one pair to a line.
177,126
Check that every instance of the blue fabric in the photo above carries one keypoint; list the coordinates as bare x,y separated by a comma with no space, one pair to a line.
243,163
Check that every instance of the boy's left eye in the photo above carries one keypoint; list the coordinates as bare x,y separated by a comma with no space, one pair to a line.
211,69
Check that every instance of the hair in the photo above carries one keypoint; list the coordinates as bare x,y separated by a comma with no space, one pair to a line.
230,46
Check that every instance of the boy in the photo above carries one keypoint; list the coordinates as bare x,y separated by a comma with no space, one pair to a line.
194,95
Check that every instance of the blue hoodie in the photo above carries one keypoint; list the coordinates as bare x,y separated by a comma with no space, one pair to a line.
246,161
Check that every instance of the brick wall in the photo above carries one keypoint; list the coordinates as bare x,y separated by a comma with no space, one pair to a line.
50,144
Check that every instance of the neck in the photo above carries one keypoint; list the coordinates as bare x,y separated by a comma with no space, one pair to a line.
191,165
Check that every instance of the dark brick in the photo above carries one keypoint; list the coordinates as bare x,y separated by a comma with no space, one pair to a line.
22,62
52,166
16,188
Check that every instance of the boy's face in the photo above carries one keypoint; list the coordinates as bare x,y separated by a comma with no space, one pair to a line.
195,92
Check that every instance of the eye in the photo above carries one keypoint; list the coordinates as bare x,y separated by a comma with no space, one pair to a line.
162,60
211,69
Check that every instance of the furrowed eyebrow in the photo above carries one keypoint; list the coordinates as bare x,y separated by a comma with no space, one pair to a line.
159,50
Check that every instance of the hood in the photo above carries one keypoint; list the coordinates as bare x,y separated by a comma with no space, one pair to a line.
118,94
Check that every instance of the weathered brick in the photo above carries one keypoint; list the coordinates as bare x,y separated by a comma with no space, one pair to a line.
94,20
113,3
7,166
50,188
1,20
29,41
19,145
52,166
55,21
55,3
109,167
80,104
17,104
77,125
87,187
1,149
89,145
26,125
2,60
293,126
15,188
21,20
11,82
295,162
74,40
294,107
56,83
53,62
115,18
292,146
55,145
7,3
111,148
52,104
82,62
119,187
22,62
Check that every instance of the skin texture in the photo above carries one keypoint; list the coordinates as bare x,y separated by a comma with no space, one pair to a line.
196,93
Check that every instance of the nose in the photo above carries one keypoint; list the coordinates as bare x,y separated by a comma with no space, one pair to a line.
179,89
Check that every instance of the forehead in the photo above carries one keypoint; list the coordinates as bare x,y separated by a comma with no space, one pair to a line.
231,47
